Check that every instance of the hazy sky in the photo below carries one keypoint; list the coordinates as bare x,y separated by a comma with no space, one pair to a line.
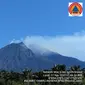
21,18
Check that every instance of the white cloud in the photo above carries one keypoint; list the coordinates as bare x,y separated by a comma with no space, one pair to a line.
16,41
73,45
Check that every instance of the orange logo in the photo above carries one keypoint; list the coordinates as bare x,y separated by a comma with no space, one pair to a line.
75,9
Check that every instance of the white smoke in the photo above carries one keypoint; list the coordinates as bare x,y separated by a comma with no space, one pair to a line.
72,45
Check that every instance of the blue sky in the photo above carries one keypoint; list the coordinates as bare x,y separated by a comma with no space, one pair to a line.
21,18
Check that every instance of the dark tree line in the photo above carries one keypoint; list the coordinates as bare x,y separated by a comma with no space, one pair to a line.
16,78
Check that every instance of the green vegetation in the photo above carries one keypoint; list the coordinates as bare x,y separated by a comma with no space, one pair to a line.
15,78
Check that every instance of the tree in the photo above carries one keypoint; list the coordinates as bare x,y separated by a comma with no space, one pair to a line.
75,68
59,67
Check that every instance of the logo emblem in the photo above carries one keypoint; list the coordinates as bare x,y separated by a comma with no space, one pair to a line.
75,9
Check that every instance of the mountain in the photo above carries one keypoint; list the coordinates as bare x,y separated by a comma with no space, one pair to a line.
55,57
17,56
